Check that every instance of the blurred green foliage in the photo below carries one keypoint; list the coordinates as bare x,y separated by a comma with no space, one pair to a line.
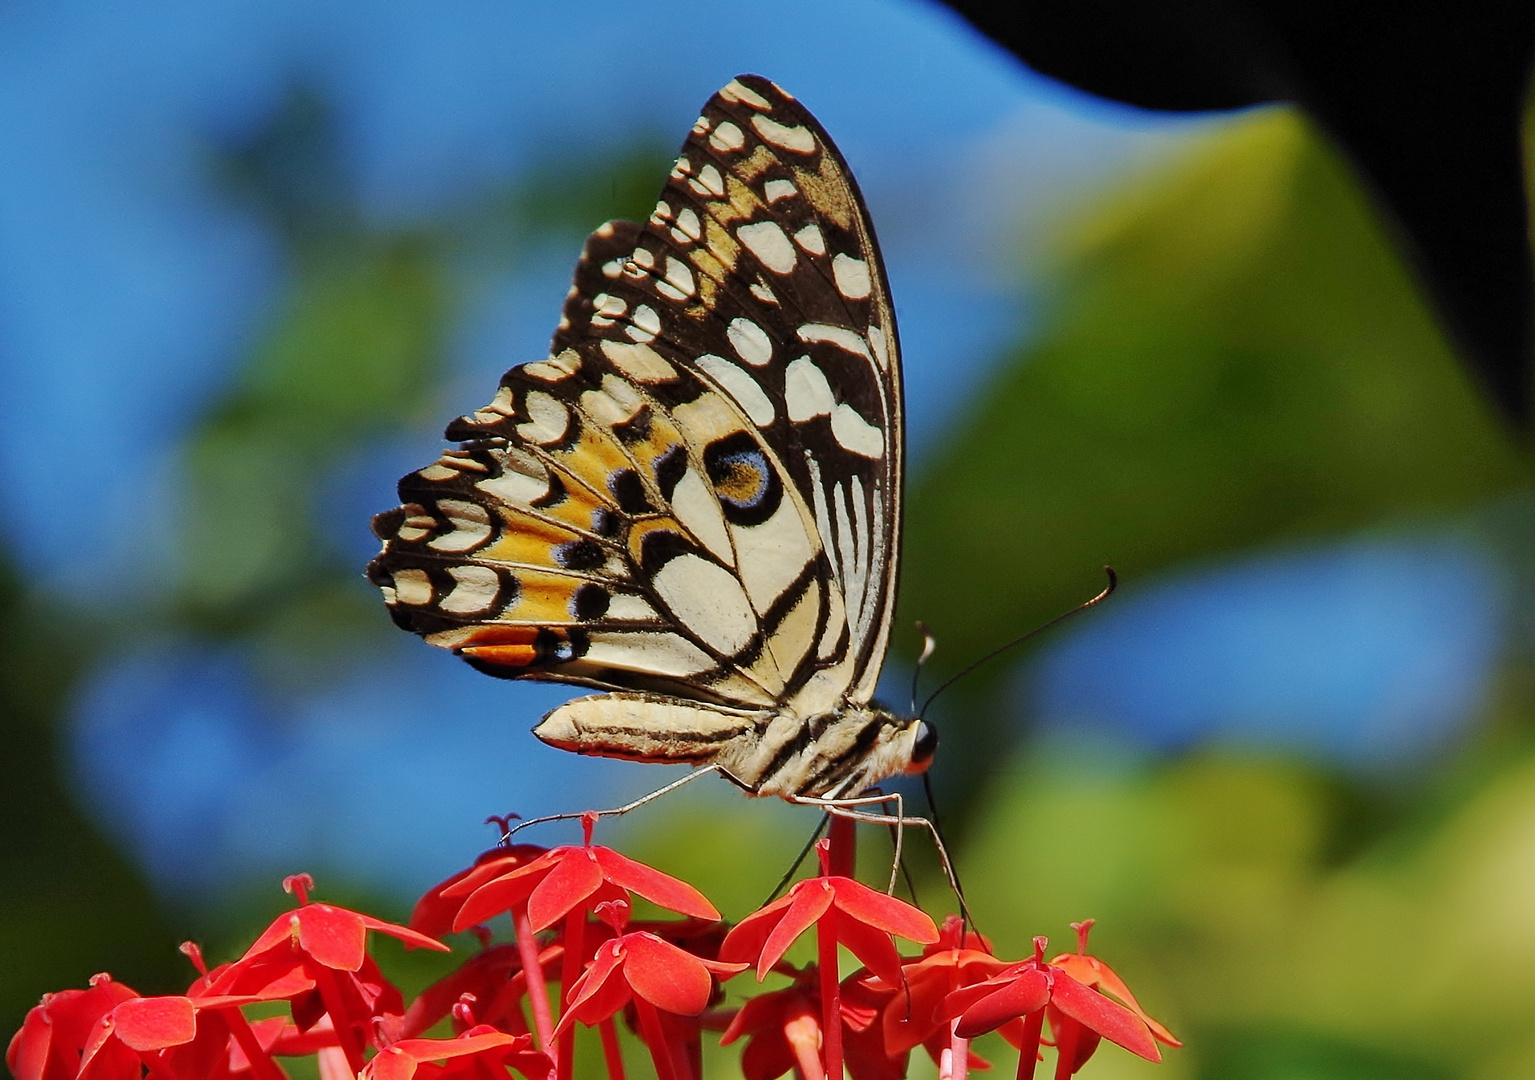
1235,357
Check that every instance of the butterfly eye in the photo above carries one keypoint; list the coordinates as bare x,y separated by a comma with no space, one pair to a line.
923,747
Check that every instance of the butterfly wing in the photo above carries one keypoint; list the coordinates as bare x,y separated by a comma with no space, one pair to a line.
697,495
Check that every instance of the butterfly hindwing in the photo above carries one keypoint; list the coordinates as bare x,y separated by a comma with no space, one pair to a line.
697,494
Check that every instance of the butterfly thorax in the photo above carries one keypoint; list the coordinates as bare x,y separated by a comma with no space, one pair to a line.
840,753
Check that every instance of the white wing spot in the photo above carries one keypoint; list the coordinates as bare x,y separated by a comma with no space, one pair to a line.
727,137
644,325
477,589
840,336
548,420
606,308
708,600
851,276
734,91
741,386
412,587
709,182
763,293
681,168
639,362
855,434
436,471
806,391
678,284
687,229
795,139
700,125
471,526
750,341
811,240
662,212
767,241
779,189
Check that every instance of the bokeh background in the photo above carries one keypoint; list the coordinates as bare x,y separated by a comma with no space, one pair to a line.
253,256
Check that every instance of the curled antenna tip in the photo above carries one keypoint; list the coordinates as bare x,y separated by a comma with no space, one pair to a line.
1102,595
929,643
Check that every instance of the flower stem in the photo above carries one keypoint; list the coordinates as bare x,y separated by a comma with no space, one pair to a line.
262,1065
960,1051
538,993
655,1038
831,1002
1028,1048
1065,1047
574,940
335,1005
610,1049
844,846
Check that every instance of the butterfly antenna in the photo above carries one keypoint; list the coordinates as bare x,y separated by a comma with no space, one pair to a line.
1108,591
929,643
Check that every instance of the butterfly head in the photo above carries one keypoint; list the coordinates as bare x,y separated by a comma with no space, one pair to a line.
924,744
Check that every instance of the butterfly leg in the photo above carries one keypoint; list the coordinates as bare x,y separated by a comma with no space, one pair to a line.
702,770
854,808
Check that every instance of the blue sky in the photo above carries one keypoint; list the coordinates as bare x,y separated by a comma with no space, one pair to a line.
130,290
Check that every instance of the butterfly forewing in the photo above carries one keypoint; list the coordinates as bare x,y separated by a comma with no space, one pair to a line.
697,494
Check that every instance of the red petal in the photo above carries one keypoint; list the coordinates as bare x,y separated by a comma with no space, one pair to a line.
1027,993
404,933
745,939
500,895
666,976
873,947
29,1046
758,1014
442,1049
1108,1018
605,971
392,1063
660,889
811,899
574,879
1090,971
154,1023
332,936
885,912
283,930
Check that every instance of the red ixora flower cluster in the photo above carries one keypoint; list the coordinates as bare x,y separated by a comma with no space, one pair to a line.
576,958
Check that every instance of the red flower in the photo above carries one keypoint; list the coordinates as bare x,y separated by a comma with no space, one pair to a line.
477,1054
555,882
1090,971
654,974
436,913
53,1037
783,1030
316,957
1079,1015
915,1017
863,919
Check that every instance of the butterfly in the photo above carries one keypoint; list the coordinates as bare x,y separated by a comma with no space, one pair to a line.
693,504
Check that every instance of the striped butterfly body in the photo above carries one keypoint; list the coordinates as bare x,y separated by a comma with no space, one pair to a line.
694,503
